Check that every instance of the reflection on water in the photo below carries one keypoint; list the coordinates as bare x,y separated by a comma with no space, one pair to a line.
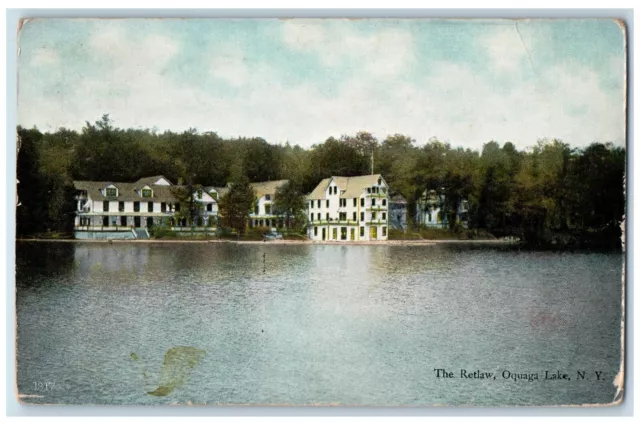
308,324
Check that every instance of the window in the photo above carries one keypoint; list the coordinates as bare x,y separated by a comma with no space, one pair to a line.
256,209
384,230
150,206
311,216
214,195
355,216
368,190
315,230
373,202
311,204
384,202
362,202
267,197
136,206
267,209
121,206
343,203
335,234
327,216
177,206
384,216
343,233
146,193
163,207
361,231
379,181
355,202
199,193
105,206
373,215
343,216
361,216
209,207
112,191
327,203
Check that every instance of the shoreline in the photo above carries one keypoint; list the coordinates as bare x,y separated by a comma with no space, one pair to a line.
408,242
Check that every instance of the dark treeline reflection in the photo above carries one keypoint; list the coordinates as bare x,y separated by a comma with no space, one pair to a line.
549,192
45,260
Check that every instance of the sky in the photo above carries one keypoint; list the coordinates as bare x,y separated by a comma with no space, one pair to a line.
301,81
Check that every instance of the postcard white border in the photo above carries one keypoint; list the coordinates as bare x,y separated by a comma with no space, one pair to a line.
13,408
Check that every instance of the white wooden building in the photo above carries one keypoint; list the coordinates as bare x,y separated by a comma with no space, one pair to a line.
349,209
263,214
429,210
115,210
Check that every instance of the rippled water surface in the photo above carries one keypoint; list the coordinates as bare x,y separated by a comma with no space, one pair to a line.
313,324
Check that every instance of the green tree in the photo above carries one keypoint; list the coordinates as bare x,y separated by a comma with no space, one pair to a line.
236,205
290,203
494,186
31,211
191,211
396,160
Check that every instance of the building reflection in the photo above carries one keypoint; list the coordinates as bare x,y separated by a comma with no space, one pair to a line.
112,258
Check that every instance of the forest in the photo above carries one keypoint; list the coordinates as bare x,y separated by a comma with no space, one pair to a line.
549,193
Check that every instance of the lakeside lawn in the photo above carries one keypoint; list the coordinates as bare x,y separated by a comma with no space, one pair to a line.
435,234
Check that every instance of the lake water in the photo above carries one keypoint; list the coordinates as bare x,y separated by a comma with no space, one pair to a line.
314,324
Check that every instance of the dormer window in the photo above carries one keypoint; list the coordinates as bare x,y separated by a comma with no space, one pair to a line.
379,181
147,193
199,193
111,192
267,197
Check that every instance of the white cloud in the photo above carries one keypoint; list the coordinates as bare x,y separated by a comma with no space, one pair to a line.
383,53
506,47
229,64
44,57
129,55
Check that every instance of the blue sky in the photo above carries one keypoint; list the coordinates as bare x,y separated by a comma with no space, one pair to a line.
462,81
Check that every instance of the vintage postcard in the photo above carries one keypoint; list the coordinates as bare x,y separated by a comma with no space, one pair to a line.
321,212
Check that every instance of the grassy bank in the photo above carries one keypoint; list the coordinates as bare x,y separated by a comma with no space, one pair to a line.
434,234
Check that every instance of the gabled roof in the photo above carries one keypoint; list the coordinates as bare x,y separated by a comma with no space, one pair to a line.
151,180
126,191
319,191
264,188
350,187
398,199
221,190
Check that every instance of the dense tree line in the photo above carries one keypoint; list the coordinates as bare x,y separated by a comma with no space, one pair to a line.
548,192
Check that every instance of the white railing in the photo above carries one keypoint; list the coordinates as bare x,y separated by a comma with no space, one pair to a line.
193,229
103,228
